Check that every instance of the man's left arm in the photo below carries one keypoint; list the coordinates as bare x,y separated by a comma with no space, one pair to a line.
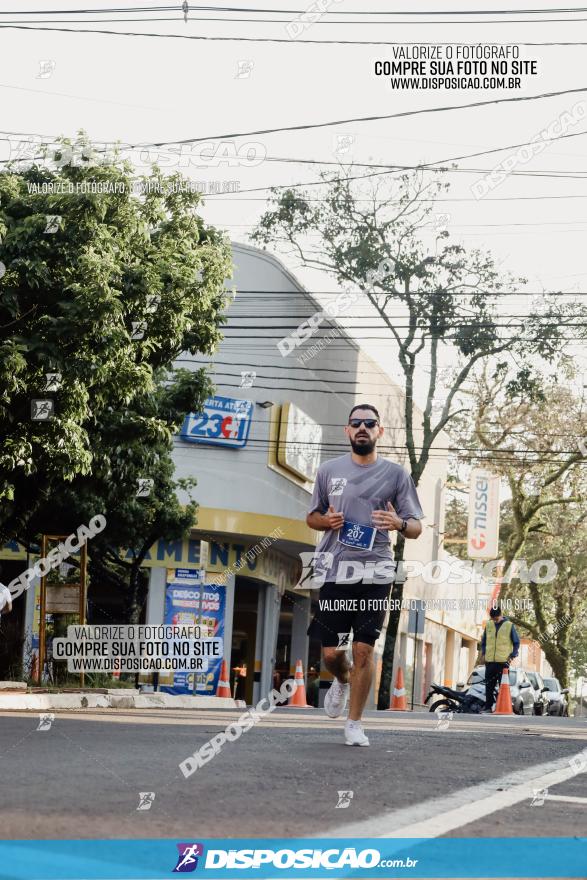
515,642
405,508
389,519
413,528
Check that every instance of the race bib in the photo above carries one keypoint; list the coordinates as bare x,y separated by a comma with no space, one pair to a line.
355,534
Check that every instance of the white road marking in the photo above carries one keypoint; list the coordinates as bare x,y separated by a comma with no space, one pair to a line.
567,798
438,816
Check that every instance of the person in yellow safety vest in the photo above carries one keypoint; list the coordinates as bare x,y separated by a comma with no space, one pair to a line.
499,645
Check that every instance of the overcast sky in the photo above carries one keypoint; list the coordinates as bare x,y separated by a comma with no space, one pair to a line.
142,90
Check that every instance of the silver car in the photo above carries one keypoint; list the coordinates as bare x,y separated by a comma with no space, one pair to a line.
523,700
557,700
540,693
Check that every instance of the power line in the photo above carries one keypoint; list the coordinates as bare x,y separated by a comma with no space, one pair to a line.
401,427
354,119
451,325
294,160
459,226
264,10
282,21
292,293
287,40
105,9
233,197
386,168
463,323
379,371
526,456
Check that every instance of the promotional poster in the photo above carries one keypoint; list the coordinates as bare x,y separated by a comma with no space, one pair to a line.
293,440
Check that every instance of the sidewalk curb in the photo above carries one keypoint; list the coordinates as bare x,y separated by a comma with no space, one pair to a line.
159,700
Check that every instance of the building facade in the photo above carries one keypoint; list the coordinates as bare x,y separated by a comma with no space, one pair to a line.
278,411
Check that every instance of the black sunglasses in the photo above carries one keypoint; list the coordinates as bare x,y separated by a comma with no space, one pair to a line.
369,423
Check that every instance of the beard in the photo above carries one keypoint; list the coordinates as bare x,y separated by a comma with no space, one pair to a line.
364,447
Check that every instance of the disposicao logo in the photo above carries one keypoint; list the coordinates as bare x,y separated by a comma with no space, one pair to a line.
188,857
286,858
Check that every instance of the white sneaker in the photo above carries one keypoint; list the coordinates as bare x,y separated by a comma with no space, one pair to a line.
336,698
354,735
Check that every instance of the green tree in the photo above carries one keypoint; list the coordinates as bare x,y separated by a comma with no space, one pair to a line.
370,232
131,445
534,446
125,284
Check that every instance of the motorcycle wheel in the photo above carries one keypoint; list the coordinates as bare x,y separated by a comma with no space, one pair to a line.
443,704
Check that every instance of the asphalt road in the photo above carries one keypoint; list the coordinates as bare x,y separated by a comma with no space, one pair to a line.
82,778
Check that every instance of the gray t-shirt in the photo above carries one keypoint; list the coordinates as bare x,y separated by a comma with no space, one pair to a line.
356,490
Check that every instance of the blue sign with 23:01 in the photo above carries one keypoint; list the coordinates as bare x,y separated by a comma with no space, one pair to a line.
225,421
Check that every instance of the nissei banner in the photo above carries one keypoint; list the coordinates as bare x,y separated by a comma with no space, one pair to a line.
483,524
191,602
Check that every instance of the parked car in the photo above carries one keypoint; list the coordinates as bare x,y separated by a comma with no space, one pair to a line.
540,693
557,700
521,689
523,700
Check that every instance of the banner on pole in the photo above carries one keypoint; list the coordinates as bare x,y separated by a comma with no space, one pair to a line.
483,524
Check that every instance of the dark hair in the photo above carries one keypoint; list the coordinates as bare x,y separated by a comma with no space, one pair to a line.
495,612
365,406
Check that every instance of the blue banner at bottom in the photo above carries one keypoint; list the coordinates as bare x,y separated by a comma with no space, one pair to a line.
412,858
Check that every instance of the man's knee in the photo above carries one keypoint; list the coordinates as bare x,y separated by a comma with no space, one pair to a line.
334,659
362,654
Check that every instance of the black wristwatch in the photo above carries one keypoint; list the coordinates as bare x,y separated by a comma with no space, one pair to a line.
404,526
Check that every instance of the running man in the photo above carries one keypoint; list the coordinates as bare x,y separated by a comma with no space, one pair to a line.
358,499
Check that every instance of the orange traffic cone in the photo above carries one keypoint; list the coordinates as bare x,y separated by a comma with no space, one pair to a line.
504,697
399,700
298,698
223,689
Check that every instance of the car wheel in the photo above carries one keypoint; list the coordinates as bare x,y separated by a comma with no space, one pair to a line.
538,709
519,709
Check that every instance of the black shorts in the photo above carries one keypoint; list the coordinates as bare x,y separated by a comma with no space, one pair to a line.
357,607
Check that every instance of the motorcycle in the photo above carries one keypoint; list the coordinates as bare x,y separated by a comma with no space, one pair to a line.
469,702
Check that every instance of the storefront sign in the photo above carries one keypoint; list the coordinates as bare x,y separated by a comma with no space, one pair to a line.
300,439
161,555
225,421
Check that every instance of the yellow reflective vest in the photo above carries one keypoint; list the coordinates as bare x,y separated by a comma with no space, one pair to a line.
498,642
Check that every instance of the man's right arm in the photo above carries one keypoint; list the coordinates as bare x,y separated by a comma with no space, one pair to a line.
317,520
321,522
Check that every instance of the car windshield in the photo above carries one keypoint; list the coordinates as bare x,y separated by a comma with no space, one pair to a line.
533,679
552,684
513,676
